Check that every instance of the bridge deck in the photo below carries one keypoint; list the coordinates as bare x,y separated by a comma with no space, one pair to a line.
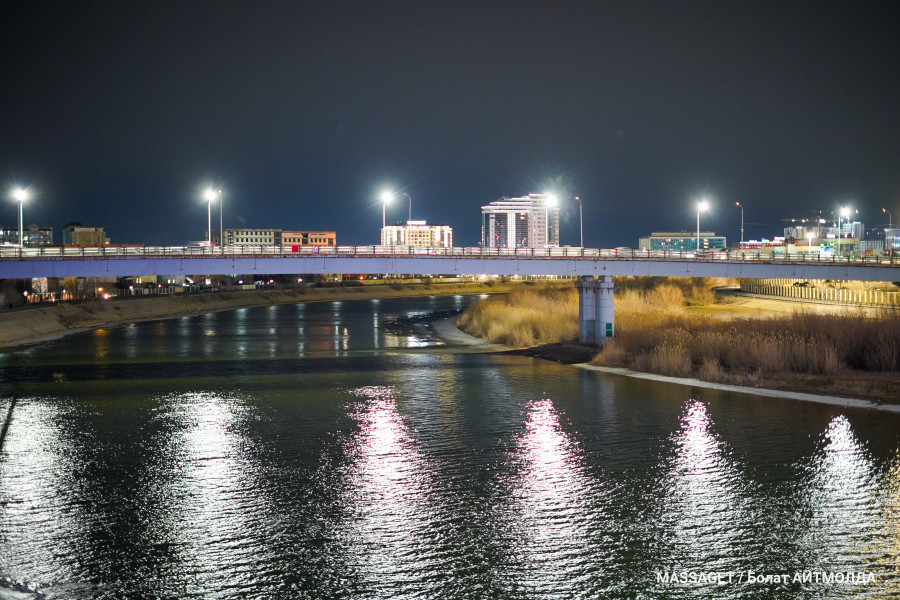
576,262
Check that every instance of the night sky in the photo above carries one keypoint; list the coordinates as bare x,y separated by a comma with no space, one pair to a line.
118,114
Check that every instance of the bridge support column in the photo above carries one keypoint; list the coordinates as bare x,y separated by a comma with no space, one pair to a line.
595,309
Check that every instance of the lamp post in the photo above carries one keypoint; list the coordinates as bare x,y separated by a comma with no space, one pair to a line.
385,198
742,221
21,196
844,212
580,220
210,195
551,202
890,219
410,205
221,229
701,206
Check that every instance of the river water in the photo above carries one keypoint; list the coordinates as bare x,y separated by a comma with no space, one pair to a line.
341,450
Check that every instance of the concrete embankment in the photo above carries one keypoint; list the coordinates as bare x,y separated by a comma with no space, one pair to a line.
50,321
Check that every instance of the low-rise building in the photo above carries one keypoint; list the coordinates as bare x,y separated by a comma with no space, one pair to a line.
255,236
309,238
76,234
682,241
418,234
34,235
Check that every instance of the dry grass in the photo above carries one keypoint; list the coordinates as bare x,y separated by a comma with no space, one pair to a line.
745,351
654,333
525,317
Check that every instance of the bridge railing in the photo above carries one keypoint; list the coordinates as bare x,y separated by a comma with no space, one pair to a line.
286,251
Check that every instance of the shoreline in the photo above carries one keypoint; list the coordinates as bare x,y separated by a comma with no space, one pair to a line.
685,381
46,323
38,325
765,392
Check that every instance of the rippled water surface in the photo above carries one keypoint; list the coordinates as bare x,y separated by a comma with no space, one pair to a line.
340,450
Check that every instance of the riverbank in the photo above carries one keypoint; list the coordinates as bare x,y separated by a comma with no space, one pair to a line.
33,325
694,334
579,355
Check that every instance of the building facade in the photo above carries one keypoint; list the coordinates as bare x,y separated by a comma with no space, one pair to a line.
682,241
254,236
418,234
892,239
527,222
309,238
34,235
78,235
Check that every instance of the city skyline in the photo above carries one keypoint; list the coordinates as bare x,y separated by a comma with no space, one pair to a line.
120,116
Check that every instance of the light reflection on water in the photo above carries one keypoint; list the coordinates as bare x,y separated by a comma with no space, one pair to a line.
303,464
554,518
388,523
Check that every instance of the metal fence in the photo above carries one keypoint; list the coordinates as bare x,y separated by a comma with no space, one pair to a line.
804,291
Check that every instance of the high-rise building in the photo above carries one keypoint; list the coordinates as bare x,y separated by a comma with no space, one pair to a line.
528,222
418,234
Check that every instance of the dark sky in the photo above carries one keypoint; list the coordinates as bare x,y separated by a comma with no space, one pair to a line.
118,114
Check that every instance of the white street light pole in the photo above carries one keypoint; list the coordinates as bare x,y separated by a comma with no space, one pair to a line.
890,218
221,230
410,205
580,220
701,206
210,195
385,198
21,196
845,212
742,221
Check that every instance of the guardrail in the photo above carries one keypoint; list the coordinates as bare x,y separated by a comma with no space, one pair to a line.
113,252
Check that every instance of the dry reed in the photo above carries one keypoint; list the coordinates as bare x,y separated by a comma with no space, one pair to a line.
524,317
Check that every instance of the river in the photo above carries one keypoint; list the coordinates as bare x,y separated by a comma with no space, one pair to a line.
342,450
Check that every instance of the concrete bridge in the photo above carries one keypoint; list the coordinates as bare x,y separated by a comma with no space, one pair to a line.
593,267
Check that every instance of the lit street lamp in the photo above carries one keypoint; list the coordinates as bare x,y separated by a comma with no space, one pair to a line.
221,230
890,218
701,206
210,195
742,221
844,212
580,220
551,202
21,196
385,198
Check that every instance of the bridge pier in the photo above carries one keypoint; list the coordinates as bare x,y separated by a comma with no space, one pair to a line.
595,309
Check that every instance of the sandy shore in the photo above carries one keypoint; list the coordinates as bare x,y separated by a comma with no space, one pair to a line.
31,325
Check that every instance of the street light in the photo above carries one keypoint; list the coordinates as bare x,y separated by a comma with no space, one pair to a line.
410,206
844,212
210,195
890,218
580,220
385,198
551,202
701,206
221,230
742,221
21,196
